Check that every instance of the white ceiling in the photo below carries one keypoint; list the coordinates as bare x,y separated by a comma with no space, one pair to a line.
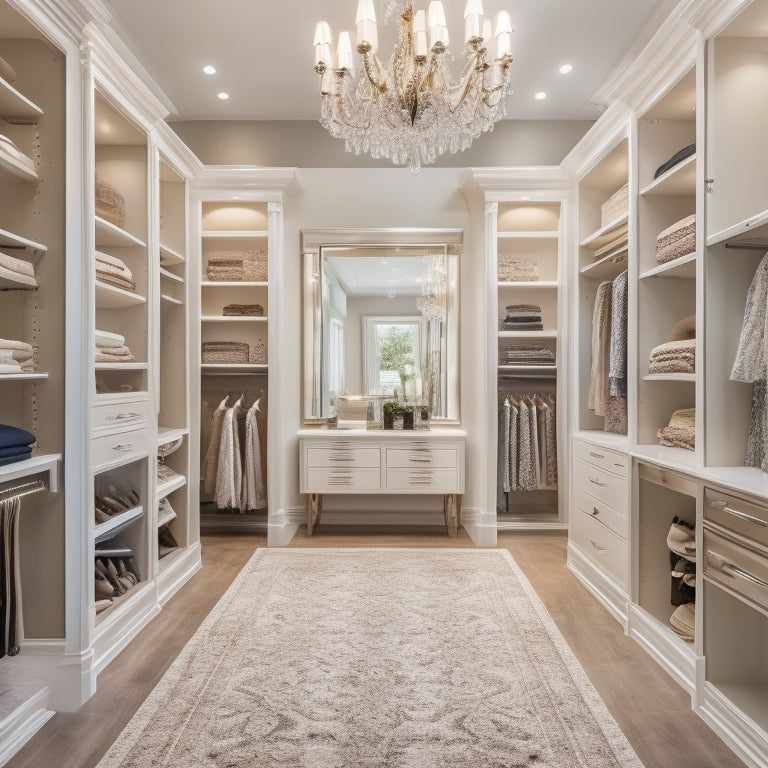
264,56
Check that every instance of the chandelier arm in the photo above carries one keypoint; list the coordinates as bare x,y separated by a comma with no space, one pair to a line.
379,85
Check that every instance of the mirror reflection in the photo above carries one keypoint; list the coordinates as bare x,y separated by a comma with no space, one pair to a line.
383,325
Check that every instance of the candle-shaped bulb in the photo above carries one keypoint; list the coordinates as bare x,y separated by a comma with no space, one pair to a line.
420,33
344,51
366,25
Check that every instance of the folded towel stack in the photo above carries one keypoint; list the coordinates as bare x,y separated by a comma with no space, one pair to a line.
525,355
16,357
517,269
673,357
18,270
15,444
237,266
110,204
113,271
111,348
521,317
681,430
677,240
246,310
616,205
7,147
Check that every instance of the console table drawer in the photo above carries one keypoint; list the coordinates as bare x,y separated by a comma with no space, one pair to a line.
109,416
604,486
612,461
603,547
425,480
437,458
343,480
356,456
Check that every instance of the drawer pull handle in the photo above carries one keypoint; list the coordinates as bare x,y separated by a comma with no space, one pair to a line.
598,547
734,571
595,511
597,482
123,447
618,464
596,455
738,513
125,415
418,460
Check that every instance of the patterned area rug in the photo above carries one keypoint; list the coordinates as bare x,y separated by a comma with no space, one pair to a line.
375,658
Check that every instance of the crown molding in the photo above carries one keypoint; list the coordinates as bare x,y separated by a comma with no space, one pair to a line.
496,184
711,16
60,21
252,181
176,151
612,127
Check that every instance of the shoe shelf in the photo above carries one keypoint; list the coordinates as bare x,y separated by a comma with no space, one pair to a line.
169,434
169,486
117,524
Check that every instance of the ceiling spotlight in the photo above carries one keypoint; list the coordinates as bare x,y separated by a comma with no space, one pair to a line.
539,95
223,96
209,70
565,69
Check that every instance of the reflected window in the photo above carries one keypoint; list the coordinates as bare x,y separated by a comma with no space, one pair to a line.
392,352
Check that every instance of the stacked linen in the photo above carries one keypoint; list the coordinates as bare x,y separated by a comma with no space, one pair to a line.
111,348
677,240
243,310
521,317
673,357
113,271
18,270
16,357
237,266
15,444
525,355
110,203
681,430
517,269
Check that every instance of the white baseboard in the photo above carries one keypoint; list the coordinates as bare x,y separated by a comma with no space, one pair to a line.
480,526
24,722
178,573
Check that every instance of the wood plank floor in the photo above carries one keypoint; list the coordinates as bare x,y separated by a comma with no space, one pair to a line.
652,710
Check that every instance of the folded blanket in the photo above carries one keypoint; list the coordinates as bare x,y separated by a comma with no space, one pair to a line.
14,344
677,240
678,157
104,357
512,268
123,351
18,353
108,258
14,450
673,357
106,339
15,436
115,282
681,430
22,455
16,265
249,310
9,366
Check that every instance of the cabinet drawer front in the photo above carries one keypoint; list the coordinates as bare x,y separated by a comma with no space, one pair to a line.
604,486
107,416
340,480
742,570
612,461
603,547
737,515
343,457
437,458
424,480
118,447
617,521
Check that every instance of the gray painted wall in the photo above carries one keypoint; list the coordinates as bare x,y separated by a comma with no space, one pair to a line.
306,144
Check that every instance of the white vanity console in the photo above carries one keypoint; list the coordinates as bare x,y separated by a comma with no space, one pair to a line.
359,461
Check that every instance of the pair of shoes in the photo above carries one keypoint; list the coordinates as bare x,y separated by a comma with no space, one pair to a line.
683,621
681,539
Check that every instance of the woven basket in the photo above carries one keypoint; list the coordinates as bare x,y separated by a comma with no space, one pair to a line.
243,310
614,206
258,352
224,352
255,266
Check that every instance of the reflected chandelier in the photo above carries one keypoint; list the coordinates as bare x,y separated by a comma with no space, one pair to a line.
414,111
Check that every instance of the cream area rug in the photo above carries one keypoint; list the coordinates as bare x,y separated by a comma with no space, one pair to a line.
375,658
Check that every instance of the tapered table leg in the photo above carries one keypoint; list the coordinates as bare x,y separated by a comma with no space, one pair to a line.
452,511
314,508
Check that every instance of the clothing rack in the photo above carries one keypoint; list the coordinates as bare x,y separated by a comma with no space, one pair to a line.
22,489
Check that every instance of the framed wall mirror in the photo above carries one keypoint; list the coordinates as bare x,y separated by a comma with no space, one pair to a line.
380,318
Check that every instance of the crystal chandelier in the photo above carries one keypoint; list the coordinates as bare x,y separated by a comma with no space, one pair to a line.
432,301
414,110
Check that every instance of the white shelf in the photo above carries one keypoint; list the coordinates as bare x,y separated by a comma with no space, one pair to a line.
13,281
169,486
110,297
169,257
543,234
604,439
545,371
232,319
16,106
528,334
166,517
683,268
109,234
673,458
16,167
234,233
170,276
746,479
9,239
748,234
134,366
116,523
171,300
44,463
670,377
211,368
23,376
607,267
605,234
169,434
233,284
677,181
528,284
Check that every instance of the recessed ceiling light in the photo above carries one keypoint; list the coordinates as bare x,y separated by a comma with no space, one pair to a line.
223,96
209,70
539,95
565,69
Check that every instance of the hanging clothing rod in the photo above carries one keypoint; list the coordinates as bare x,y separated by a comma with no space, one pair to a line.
23,489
